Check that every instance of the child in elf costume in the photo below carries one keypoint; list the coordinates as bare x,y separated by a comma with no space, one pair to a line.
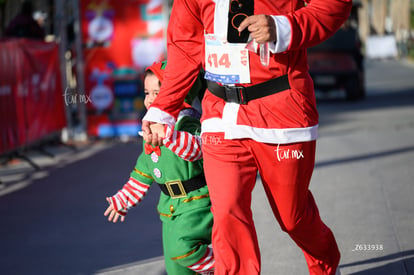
177,168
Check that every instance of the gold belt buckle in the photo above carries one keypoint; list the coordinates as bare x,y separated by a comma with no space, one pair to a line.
171,183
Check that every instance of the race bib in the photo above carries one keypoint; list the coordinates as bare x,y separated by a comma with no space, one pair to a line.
226,63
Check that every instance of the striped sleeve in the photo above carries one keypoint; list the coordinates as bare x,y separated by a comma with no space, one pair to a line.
185,145
206,264
129,196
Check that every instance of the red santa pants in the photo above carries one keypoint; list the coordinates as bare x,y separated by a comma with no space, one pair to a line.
231,167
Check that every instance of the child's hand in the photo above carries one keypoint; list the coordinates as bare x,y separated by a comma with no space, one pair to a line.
158,129
129,196
153,133
113,215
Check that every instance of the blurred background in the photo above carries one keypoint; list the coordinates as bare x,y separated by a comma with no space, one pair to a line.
71,103
99,48
93,53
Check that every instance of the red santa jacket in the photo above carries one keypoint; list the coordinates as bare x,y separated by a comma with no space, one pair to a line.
285,117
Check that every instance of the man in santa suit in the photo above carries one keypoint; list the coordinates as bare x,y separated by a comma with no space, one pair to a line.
259,115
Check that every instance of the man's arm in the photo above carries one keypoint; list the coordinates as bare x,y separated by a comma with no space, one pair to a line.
316,22
184,45
305,27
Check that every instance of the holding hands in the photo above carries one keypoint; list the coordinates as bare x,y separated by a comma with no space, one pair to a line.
153,132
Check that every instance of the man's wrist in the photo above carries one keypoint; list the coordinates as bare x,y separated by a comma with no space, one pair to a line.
156,115
283,34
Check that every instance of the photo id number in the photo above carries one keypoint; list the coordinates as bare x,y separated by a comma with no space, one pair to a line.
368,247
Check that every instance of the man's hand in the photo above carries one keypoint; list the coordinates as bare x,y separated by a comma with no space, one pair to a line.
153,132
262,28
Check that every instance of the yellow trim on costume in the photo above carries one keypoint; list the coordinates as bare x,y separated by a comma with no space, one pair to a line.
143,174
186,200
186,255
197,198
165,215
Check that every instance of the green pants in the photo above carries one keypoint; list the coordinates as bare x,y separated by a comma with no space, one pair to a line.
185,239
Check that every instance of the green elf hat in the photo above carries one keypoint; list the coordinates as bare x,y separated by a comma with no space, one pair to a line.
158,68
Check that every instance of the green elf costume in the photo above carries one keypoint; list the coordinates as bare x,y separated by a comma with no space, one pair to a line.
184,204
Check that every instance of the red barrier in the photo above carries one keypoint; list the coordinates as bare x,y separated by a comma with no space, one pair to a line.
9,123
31,96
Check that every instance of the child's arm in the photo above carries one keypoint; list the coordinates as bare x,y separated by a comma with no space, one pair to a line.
129,196
131,193
185,145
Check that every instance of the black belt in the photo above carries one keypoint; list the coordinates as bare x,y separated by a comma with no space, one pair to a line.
179,189
242,95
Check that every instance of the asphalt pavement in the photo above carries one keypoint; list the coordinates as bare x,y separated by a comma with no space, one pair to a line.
52,218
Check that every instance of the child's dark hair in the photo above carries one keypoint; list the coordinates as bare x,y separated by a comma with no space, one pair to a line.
149,72
197,90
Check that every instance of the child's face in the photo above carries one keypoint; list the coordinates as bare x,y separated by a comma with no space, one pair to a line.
151,89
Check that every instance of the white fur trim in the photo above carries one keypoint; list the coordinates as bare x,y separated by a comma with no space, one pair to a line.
274,136
230,112
212,125
159,116
281,136
221,19
283,34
